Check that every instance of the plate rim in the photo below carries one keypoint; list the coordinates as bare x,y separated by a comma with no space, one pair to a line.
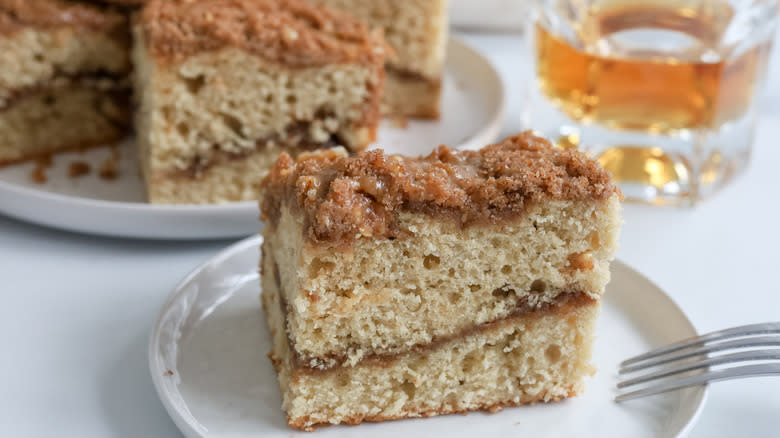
705,388
175,411
191,430
102,207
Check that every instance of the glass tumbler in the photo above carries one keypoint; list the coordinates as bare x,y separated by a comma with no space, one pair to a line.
664,93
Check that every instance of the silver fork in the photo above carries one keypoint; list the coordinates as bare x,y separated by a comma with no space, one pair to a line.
734,353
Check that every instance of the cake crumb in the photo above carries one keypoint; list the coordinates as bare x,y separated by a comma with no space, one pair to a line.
399,122
77,169
38,174
109,168
45,161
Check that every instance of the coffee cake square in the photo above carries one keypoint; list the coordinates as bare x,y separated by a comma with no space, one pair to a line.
417,32
226,85
403,287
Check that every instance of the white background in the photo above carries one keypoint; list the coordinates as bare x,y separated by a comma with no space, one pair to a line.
76,310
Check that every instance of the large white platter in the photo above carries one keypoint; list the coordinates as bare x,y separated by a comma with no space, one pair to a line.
472,116
207,357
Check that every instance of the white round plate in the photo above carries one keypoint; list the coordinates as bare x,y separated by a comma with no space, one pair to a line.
207,356
472,116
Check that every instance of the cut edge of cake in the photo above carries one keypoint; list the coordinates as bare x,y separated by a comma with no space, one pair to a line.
410,385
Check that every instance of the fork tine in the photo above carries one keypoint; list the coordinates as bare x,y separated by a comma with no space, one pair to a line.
760,341
745,330
717,360
699,379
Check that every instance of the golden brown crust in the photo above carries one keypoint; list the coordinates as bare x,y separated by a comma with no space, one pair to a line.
343,198
16,15
290,32
305,423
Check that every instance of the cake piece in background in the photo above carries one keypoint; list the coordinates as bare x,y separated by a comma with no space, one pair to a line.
404,287
226,85
417,32
63,81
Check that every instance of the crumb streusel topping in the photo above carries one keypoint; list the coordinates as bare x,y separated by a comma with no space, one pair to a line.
342,198
292,32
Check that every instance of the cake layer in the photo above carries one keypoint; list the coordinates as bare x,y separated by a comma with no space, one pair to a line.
537,357
415,29
100,82
438,278
63,77
45,39
224,179
228,100
62,118
411,95
221,182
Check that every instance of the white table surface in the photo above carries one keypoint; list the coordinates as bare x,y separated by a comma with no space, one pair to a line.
77,309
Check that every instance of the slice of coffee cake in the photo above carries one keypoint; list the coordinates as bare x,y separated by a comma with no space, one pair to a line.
417,32
225,85
402,287
63,81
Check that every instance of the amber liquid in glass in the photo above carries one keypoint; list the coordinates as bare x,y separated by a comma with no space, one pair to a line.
644,90
620,79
